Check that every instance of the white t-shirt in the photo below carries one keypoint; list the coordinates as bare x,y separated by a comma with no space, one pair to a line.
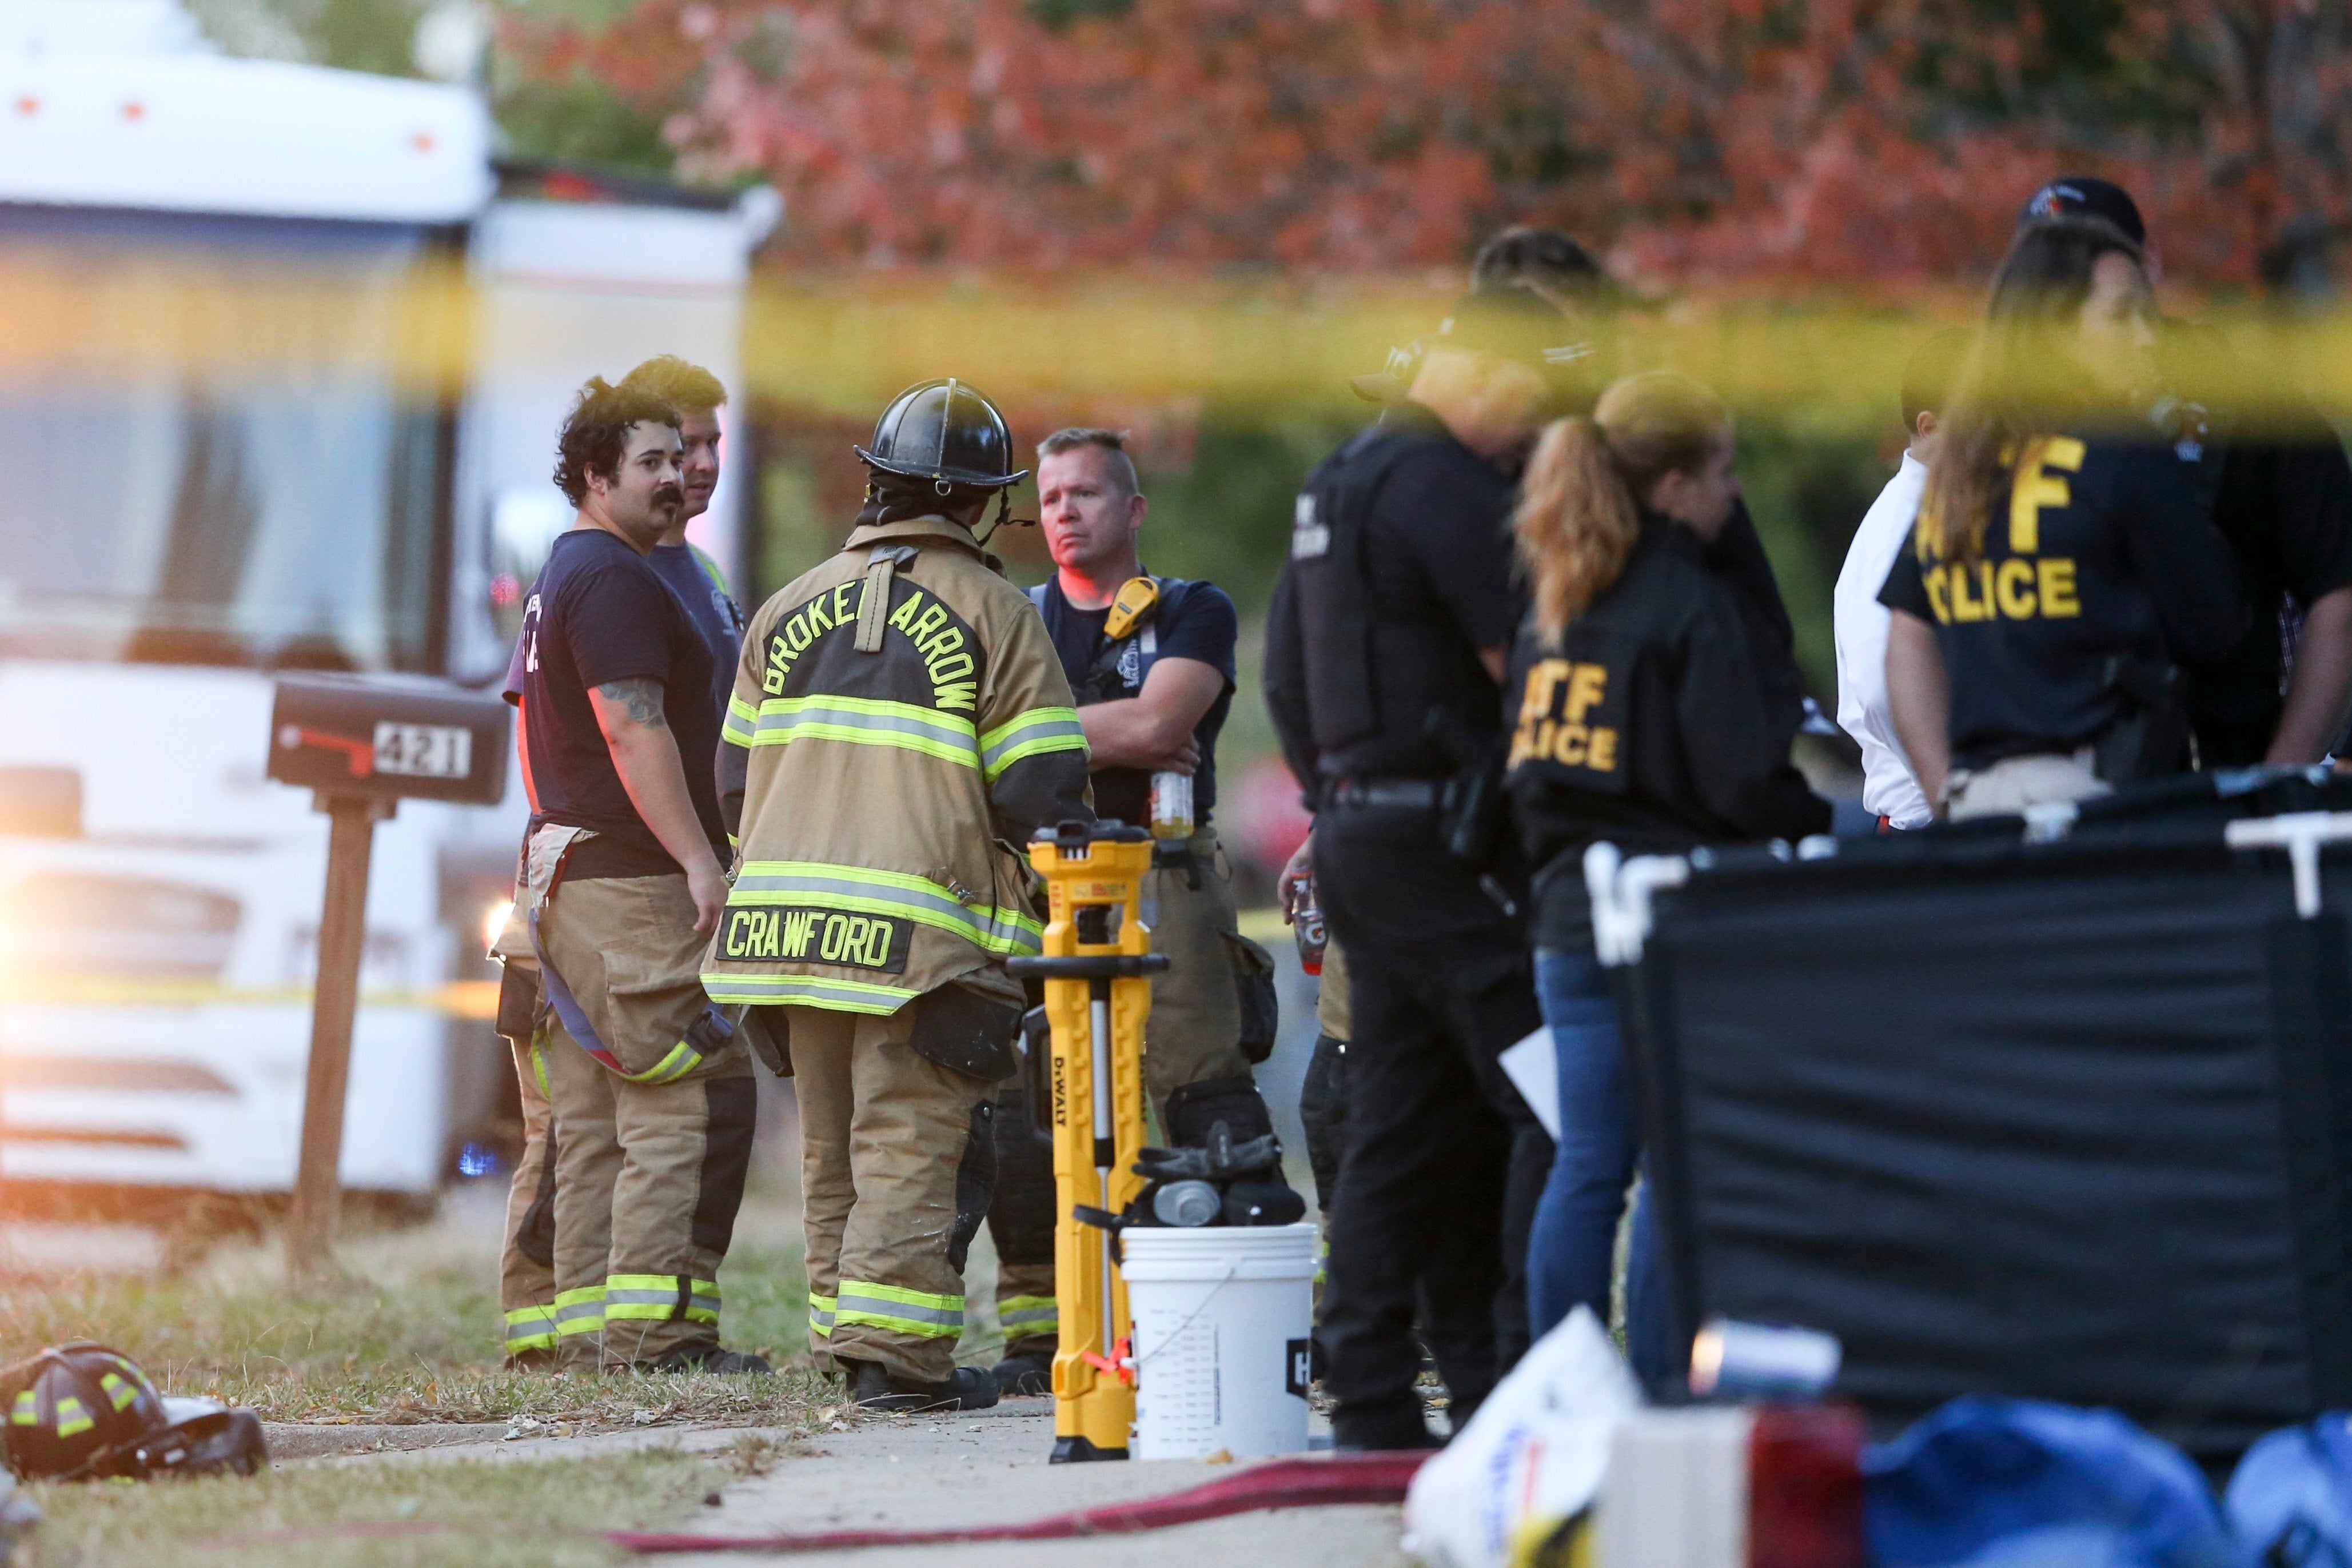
1860,621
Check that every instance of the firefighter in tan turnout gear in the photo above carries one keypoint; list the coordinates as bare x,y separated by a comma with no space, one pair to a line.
900,726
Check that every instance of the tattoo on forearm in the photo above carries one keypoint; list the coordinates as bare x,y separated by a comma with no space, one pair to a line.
640,696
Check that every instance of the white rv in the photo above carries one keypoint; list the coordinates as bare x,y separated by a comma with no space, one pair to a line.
168,540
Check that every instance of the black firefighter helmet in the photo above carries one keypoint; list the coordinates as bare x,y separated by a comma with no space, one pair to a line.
82,1412
946,432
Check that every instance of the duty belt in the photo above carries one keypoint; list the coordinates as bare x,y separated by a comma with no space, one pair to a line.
1399,794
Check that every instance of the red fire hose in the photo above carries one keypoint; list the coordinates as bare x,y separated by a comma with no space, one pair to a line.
1280,1483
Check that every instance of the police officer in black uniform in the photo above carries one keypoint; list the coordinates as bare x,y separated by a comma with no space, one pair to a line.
1385,646
1650,715
2280,490
2065,561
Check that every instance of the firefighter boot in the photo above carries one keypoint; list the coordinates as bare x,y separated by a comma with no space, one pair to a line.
710,1358
874,1388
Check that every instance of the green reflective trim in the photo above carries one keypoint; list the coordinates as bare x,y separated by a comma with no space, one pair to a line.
682,1060
118,1393
72,1418
742,720
867,721
897,1324
857,890
654,1297
1040,730
26,1411
531,1328
898,1308
807,990
699,1310
580,1310
654,1282
821,1311
538,1068
1026,1317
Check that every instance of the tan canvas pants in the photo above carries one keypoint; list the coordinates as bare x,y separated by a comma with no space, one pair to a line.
1331,993
526,1262
884,1136
649,1168
1195,1031
1192,1036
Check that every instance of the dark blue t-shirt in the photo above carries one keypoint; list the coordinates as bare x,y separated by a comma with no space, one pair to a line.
700,589
599,613
1192,620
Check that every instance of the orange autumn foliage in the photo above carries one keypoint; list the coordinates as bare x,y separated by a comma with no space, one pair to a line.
1844,143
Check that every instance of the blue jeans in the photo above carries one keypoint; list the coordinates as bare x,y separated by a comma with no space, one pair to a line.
1574,1239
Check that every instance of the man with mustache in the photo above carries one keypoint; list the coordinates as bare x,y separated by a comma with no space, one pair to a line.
527,1267
650,1096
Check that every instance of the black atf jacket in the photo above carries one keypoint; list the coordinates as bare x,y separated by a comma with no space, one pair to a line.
1663,720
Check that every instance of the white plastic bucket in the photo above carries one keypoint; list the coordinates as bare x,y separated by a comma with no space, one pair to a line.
1222,1316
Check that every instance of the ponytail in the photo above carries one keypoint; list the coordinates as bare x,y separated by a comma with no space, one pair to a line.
1576,523
1579,513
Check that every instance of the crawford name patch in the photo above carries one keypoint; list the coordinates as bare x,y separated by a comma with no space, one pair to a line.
817,936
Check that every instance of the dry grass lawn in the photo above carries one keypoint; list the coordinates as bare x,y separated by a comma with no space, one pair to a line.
478,1514
409,1332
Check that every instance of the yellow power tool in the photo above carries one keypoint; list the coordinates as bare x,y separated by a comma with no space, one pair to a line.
1097,964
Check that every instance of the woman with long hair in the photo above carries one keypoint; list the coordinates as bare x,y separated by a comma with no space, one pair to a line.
2064,563
1655,711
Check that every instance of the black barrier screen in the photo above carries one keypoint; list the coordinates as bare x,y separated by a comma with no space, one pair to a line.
2061,1123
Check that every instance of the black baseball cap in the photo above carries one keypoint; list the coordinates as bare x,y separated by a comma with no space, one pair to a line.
1513,323
2087,196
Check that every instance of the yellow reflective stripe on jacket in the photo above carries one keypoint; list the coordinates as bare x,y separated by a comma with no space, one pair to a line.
72,1418
581,1311
863,721
666,1298
1029,1317
808,990
1040,729
858,891
742,721
821,1311
531,1328
894,1307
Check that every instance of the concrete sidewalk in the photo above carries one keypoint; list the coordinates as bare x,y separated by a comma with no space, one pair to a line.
911,1472
916,1472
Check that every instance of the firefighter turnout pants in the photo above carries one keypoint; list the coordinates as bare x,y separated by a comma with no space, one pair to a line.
526,1262
897,1166
1193,1036
650,1163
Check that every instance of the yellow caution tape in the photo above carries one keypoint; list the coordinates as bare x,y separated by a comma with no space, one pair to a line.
1287,346
471,999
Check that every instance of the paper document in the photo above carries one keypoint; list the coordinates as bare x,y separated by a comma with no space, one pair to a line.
1534,1072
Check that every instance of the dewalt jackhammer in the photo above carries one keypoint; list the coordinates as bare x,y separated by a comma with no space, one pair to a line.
1096,964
